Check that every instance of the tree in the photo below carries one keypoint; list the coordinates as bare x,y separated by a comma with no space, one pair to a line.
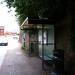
38,8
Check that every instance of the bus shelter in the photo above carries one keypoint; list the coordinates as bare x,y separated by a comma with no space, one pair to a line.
39,37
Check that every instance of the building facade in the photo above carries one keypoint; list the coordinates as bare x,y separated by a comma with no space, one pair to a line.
1,30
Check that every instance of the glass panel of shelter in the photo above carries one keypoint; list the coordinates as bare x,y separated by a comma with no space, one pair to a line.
47,46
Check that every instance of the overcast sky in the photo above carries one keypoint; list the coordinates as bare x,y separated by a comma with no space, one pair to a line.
8,20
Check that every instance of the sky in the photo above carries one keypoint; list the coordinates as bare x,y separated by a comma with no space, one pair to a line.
8,20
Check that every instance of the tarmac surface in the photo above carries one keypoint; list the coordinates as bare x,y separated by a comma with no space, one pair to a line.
17,63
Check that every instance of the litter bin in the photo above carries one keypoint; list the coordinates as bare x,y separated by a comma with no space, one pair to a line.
59,61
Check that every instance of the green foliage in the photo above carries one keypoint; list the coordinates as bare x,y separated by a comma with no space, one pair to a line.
9,3
23,46
38,8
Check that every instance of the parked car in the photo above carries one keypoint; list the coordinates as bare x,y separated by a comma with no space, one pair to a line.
3,41
15,37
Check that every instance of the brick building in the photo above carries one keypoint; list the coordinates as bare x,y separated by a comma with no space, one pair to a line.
1,30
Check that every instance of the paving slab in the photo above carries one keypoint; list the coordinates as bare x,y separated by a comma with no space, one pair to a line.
17,63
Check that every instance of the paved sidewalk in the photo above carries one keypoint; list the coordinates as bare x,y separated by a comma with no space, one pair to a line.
17,63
